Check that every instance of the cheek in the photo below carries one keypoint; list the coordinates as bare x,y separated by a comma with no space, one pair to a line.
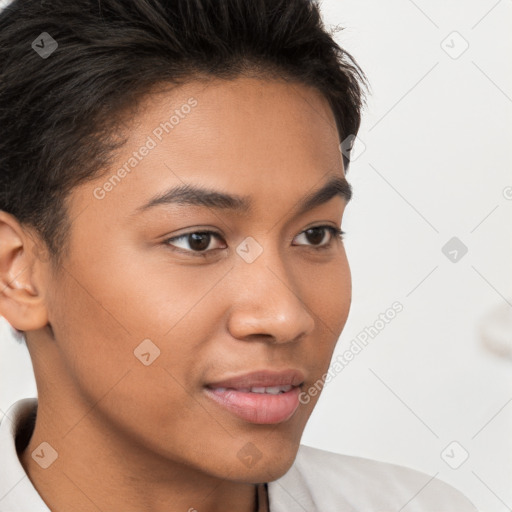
330,295
134,377
329,291
149,294
115,317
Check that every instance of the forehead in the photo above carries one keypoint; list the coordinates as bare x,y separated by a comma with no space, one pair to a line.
270,138
234,118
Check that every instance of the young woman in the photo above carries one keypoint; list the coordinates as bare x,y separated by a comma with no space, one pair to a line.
171,194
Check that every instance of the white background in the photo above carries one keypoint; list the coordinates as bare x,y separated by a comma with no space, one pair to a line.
436,164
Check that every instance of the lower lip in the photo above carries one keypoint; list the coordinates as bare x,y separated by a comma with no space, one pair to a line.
262,408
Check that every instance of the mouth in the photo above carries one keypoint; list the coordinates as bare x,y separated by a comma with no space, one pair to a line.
262,397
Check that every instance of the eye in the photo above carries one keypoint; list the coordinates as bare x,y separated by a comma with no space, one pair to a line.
199,243
316,235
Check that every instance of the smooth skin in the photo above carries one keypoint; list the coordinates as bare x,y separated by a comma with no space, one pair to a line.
132,437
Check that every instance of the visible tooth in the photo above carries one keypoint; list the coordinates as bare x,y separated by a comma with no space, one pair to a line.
274,390
258,390
220,389
286,388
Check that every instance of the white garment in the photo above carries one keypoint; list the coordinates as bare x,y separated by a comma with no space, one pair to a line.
318,481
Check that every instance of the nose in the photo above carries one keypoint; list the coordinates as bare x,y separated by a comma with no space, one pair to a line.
267,302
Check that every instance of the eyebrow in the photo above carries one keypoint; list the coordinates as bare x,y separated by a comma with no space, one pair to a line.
194,195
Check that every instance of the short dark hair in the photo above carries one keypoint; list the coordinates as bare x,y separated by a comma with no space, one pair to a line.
60,116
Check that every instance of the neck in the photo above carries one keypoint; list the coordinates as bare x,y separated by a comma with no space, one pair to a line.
96,469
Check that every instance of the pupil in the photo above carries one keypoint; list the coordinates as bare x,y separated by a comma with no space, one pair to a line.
317,237
199,241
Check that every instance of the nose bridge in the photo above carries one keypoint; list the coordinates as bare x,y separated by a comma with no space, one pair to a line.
266,300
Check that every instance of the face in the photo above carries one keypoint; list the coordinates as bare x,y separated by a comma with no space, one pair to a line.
165,299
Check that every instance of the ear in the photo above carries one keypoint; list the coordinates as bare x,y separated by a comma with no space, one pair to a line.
21,269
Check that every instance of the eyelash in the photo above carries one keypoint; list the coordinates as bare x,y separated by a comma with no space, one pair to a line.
336,233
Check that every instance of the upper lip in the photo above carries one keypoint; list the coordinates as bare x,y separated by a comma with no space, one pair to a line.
261,378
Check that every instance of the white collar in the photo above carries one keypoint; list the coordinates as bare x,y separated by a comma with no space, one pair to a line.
16,490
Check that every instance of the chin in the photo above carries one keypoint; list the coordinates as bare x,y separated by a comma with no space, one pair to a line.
266,463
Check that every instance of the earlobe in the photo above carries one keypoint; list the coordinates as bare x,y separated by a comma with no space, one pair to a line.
21,301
